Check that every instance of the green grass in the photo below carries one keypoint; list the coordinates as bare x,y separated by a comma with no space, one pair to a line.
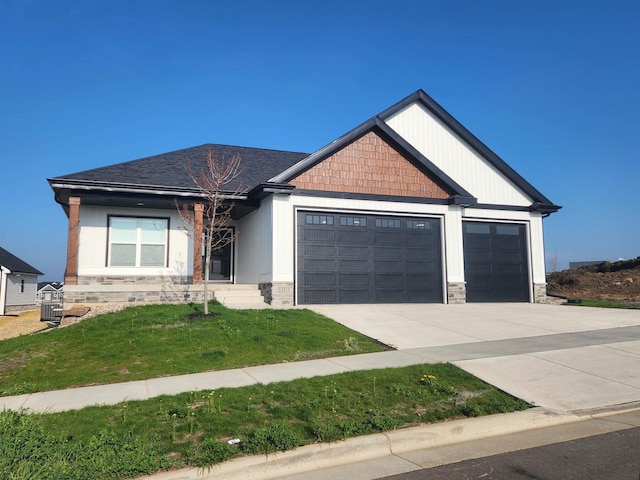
161,340
192,429
585,302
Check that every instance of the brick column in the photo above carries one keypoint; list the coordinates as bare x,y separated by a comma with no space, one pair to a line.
71,272
197,243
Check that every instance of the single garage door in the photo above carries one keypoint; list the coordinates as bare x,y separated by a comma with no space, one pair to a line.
495,262
352,258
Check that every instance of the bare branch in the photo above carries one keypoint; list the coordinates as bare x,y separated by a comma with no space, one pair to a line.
217,185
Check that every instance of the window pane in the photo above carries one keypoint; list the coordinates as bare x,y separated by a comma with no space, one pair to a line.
153,231
478,228
507,230
152,256
123,230
123,255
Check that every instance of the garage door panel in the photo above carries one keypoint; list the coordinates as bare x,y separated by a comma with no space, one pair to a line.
325,234
353,235
506,243
371,258
387,237
388,252
422,267
358,251
354,279
389,295
319,264
319,296
354,265
387,266
311,250
473,242
394,280
353,296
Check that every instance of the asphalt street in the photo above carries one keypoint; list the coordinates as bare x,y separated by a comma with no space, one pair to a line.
611,456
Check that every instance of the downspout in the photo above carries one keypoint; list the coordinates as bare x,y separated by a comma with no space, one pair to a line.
3,287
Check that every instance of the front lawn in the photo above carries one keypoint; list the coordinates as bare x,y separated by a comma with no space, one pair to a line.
194,428
586,302
161,340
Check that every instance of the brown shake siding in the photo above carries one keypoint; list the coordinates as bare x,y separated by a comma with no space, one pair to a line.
369,165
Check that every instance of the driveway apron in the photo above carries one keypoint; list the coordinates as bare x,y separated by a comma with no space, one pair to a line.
559,357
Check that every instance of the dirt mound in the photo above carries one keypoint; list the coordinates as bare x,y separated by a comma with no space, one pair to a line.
604,281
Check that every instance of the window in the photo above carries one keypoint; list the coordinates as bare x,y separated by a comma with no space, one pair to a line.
419,224
319,220
137,242
353,221
21,286
387,223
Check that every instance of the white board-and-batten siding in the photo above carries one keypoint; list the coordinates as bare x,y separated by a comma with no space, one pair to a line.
445,149
254,245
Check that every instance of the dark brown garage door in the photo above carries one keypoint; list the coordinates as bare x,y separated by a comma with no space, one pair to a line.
495,262
351,258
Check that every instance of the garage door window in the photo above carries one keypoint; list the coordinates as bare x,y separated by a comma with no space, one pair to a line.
419,224
387,223
353,221
319,220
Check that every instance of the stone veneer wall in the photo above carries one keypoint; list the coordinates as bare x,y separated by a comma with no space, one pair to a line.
540,293
456,292
277,294
134,279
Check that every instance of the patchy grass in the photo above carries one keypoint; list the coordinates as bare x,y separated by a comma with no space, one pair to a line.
585,302
193,429
161,340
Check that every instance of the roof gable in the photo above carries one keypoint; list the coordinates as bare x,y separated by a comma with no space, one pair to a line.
434,183
407,117
14,264
369,165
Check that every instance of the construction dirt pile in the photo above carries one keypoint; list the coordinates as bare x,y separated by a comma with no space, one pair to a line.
605,281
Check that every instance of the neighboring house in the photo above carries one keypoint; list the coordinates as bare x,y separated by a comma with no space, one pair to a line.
18,283
408,207
49,292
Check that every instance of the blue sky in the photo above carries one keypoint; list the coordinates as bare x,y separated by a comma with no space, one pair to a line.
551,87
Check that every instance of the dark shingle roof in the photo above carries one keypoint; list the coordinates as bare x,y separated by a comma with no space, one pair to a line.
13,263
168,169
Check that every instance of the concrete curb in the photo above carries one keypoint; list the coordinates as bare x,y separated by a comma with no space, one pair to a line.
369,447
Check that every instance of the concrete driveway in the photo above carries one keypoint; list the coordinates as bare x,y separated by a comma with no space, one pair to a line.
559,357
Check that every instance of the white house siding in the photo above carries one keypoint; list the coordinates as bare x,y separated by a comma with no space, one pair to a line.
254,245
92,248
14,297
451,154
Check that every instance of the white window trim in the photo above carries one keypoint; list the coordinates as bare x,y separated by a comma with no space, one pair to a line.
139,242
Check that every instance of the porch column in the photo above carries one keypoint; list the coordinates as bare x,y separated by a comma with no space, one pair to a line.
71,272
198,208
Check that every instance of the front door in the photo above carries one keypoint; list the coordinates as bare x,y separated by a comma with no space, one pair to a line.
221,267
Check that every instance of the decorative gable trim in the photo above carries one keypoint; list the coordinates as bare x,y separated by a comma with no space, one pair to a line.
447,188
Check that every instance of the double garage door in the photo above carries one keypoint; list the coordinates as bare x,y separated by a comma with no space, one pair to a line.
354,258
